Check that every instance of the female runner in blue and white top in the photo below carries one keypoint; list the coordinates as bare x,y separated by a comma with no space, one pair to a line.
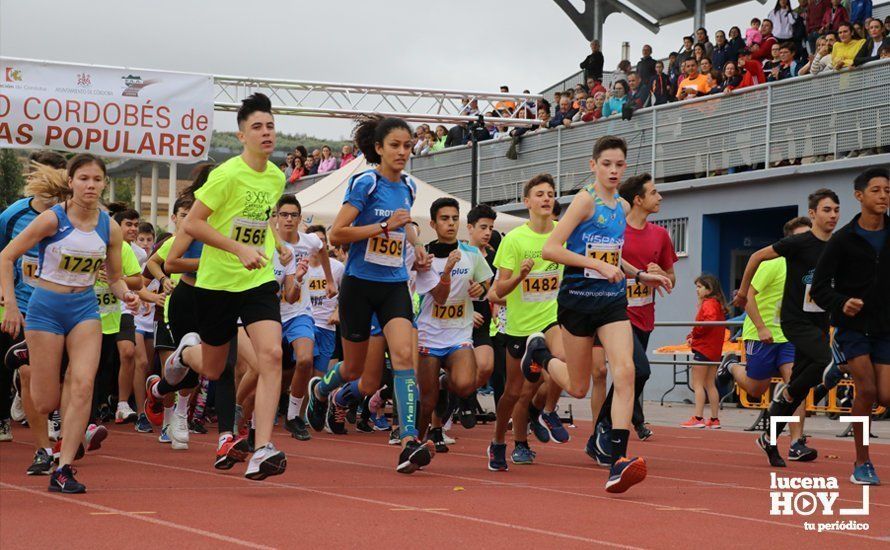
592,299
76,239
373,221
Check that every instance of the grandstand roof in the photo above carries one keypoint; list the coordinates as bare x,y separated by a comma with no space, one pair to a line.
663,12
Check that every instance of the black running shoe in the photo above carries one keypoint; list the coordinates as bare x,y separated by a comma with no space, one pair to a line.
364,425
415,455
335,420
467,412
772,452
42,465
438,439
724,374
297,428
197,427
316,408
799,451
62,481
530,369
352,413
16,356
643,432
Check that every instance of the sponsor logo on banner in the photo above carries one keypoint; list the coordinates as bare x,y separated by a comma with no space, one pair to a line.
13,74
83,80
134,84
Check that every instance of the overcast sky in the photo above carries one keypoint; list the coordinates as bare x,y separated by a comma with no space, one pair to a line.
453,44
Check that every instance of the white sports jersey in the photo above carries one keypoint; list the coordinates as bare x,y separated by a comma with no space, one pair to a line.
145,320
142,257
72,257
288,311
308,245
450,324
322,306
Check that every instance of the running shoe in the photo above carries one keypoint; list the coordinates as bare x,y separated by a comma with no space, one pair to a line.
467,412
143,425
105,413
197,427
535,426
57,451
62,481
530,369
230,452
445,437
266,461
778,392
724,373
713,423
364,425
352,413
335,419
832,375
316,409
42,465
94,436
772,452
165,436
381,424
438,440
179,431
593,452
799,451
415,455
625,473
17,409
864,474
497,457
394,438
297,428
522,453
154,407
54,426
16,356
643,432
5,431
125,414
551,421
694,422
239,416
174,369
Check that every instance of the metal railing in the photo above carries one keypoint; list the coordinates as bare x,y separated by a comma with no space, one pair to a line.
577,78
804,117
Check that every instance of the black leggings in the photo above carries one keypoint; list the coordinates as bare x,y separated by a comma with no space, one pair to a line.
5,378
642,371
106,376
499,375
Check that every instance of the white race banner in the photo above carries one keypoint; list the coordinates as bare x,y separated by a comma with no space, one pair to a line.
107,111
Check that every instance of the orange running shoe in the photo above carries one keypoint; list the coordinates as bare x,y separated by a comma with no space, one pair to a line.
713,423
625,473
694,422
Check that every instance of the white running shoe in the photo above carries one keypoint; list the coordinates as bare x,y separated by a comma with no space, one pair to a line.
124,414
54,427
266,461
17,410
5,431
178,430
174,369
448,440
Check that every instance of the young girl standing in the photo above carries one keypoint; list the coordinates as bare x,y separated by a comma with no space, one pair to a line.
707,345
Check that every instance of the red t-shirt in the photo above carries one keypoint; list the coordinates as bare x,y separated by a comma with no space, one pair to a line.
652,244
709,340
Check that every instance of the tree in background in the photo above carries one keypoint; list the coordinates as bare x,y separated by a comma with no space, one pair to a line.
11,179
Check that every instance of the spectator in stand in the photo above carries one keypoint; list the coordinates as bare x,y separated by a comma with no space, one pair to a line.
328,161
782,17
580,98
420,135
787,66
834,16
752,35
638,94
563,115
289,164
701,37
457,135
815,13
732,80
593,63
310,167
695,84
625,67
441,134
699,52
750,69
885,52
736,41
843,53
646,65
774,59
821,61
674,70
297,172
662,89
316,157
589,113
723,51
871,50
507,106
684,54
594,86
616,100
599,100
860,10
705,66
887,25
858,32
764,50
544,117
346,155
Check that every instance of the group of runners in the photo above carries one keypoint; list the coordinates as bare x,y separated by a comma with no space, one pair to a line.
245,295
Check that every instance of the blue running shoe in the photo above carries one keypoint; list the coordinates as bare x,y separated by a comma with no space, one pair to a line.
143,425
626,473
592,450
380,423
62,481
522,454
832,375
535,426
799,451
864,474
316,410
551,421
497,457
530,369
164,438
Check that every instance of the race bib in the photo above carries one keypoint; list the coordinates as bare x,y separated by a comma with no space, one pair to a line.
809,305
386,251
29,269
317,291
76,261
638,294
250,232
450,315
107,300
605,252
541,286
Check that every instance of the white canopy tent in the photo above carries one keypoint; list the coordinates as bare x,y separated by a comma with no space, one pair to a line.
323,199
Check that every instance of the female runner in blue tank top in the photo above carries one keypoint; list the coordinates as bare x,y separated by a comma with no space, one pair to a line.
592,298
75,240
374,221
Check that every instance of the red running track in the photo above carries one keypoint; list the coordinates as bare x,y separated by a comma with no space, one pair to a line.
705,488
